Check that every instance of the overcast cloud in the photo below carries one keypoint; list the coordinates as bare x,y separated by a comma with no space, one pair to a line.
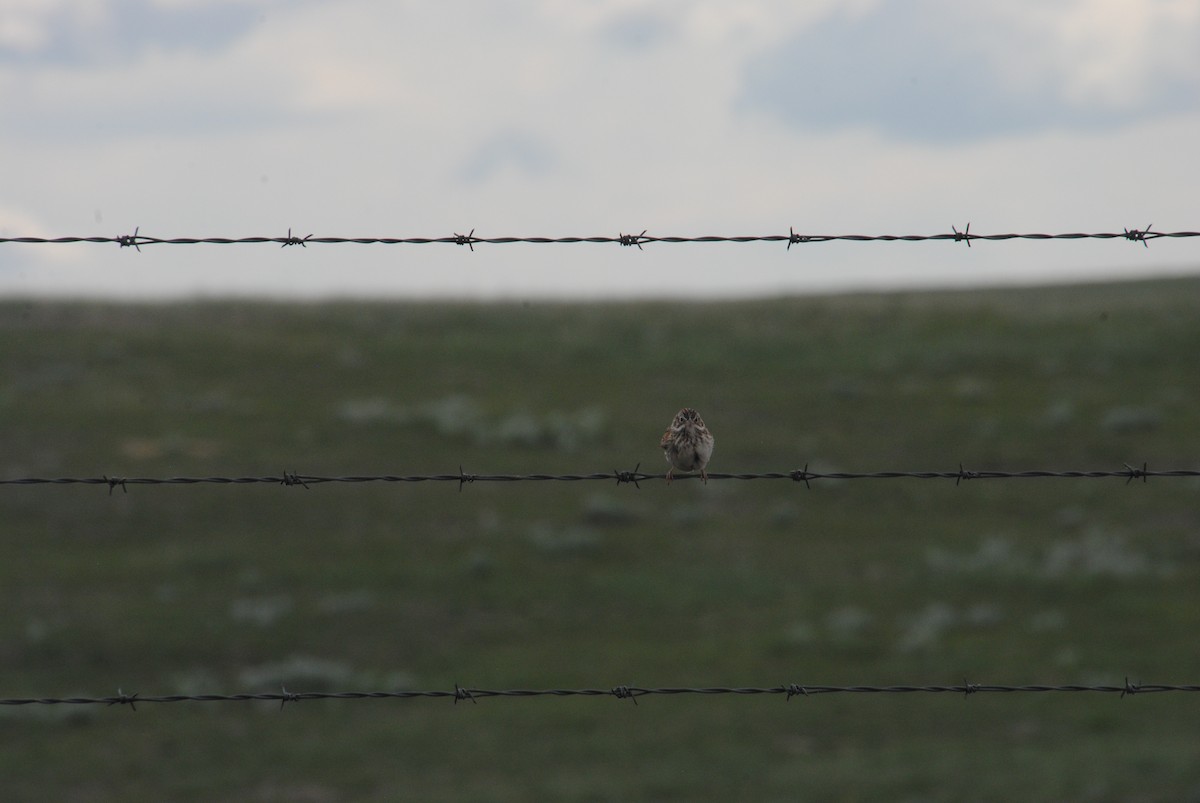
371,118
944,73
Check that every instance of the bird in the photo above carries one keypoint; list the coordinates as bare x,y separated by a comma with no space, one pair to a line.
687,444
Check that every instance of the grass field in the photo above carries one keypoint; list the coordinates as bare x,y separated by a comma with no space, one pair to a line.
216,589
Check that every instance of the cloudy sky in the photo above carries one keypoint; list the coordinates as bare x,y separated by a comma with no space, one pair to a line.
232,118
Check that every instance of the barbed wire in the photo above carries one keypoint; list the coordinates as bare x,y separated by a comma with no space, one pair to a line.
137,239
635,477
459,693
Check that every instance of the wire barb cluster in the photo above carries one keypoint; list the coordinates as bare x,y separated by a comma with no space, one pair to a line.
137,239
1128,473
622,692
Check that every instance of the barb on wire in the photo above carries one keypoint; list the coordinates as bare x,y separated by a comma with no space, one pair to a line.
1134,473
466,239
628,476
802,476
625,693
964,235
123,699
792,237
634,477
290,240
463,479
634,239
460,693
127,240
796,239
1140,236
292,478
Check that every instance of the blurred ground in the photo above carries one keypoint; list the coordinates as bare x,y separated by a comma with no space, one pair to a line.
225,589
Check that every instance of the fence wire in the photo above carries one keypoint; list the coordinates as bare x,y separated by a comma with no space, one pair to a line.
461,694
635,477
137,239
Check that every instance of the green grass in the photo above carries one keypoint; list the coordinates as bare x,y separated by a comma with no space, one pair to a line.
211,589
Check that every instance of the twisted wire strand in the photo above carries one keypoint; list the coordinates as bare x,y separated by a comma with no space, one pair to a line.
804,475
459,693
137,239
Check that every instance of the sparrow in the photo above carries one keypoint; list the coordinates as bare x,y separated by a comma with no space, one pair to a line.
687,444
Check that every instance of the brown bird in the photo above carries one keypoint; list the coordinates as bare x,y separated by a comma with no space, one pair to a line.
687,444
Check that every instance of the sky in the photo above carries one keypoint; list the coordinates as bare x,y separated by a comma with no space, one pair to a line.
366,118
